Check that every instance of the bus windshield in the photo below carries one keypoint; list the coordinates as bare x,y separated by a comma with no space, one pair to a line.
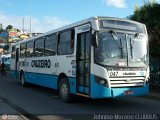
121,49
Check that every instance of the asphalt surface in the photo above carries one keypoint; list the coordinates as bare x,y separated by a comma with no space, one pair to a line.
35,102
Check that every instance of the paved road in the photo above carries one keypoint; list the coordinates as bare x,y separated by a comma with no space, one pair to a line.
42,103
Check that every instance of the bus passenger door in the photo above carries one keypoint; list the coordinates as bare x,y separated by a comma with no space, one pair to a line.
83,63
17,62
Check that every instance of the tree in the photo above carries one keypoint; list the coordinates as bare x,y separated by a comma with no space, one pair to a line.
1,28
149,15
9,27
18,30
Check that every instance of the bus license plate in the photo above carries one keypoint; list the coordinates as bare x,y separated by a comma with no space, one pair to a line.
128,92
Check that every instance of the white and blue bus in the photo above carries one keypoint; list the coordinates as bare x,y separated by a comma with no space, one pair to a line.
99,57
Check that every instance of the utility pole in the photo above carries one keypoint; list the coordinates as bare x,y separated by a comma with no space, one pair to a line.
23,25
30,12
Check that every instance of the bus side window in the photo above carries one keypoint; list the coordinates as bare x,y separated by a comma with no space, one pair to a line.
50,45
66,43
72,38
22,50
29,49
39,47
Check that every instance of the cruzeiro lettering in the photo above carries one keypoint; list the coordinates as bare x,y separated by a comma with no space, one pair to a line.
41,63
129,73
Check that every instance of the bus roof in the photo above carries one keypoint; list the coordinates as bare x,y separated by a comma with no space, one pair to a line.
91,19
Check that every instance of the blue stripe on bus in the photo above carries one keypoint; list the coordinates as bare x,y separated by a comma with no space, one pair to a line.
72,82
49,81
46,80
98,91
41,79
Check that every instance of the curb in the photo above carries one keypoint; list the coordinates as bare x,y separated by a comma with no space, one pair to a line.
20,112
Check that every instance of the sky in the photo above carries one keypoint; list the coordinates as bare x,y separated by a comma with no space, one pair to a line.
50,14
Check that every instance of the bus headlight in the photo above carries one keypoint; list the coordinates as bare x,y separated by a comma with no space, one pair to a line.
101,81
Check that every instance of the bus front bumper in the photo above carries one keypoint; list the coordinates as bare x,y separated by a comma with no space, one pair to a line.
103,92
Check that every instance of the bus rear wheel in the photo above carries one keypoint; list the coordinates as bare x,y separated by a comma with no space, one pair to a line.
22,79
64,90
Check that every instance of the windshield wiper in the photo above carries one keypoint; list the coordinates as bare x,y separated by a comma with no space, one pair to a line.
114,34
121,47
131,47
131,43
136,35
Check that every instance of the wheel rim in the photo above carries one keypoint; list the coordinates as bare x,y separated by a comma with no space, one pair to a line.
64,90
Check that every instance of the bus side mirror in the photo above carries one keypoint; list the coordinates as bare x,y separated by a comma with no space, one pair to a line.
94,40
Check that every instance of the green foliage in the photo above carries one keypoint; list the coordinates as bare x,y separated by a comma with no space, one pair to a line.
9,27
1,28
149,14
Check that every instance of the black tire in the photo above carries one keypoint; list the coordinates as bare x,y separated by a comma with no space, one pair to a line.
22,79
64,90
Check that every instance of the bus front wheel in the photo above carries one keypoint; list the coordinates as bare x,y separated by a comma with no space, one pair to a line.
64,90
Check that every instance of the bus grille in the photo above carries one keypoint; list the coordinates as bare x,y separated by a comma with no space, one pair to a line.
127,82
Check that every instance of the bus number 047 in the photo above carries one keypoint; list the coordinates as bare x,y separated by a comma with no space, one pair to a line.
113,74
